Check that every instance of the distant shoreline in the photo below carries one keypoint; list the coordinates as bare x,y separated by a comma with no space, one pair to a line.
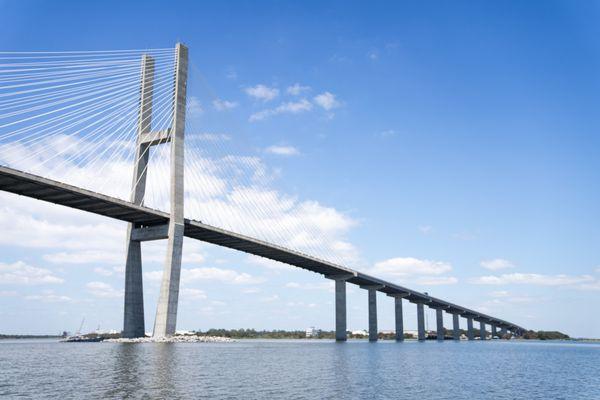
19,337
30,336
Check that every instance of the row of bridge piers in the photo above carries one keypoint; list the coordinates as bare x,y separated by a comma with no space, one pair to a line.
341,325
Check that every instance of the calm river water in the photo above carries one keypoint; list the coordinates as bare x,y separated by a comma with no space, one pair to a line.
300,370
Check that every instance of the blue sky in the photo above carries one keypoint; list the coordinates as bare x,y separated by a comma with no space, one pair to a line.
455,141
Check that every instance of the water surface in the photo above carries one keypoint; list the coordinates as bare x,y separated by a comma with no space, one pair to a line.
300,370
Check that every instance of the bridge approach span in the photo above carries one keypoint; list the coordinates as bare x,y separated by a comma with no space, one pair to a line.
30,185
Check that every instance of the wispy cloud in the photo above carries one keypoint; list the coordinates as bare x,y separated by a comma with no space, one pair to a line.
387,133
194,107
297,89
532,279
292,107
19,273
48,298
409,266
325,285
282,150
422,272
231,73
327,101
497,264
425,229
103,290
437,280
262,92
223,105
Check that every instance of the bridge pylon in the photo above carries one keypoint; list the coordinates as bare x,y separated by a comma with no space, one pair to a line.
166,312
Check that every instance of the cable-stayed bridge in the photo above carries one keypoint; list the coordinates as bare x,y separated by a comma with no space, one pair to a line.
106,132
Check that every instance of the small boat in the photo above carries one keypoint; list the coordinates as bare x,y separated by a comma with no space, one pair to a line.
82,339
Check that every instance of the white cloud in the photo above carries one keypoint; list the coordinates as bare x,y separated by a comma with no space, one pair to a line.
437,280
403,267
223,191
282,150
103,290
192,294
262,92
414,270
223,105
425,229
327,285
103,271
497,264
499,293
373,55
84,257
292,107
595,285
269,299
19,273
267,263
326,100
49,298
194,107
230,73
532,279
189,275
297,89
207,136
7,293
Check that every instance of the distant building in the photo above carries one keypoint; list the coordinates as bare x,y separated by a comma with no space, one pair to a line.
360,333
312,332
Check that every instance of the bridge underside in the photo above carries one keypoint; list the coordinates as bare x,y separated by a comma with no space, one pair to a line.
36,187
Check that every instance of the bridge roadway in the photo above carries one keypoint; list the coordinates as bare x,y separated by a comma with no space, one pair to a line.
26,184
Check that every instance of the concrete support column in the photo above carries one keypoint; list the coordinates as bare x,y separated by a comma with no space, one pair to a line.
341,334
470,333
372,315
399,319
372,296
503,331
399,315
133,310
455,327
439,314
494,331
340,310
482,333
166,311
421,321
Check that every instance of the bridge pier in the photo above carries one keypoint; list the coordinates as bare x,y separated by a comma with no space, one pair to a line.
439,318
503,331
341,334
494,331
455,327
482,333
372,296
420,322
399,317
470,333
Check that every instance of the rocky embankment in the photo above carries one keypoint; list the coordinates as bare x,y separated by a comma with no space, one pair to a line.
174,339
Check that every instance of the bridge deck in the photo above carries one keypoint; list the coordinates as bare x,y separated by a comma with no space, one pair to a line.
40,188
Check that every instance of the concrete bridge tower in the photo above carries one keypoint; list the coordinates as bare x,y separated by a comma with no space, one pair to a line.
166,313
